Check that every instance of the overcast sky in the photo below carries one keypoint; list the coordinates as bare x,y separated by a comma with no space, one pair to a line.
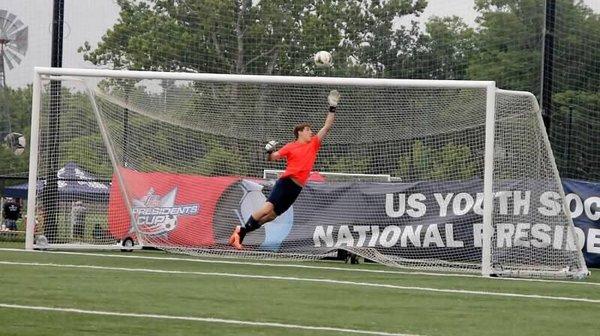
85,20
88,20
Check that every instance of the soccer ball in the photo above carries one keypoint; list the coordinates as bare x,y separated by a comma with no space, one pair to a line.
322,59
15,142
41,241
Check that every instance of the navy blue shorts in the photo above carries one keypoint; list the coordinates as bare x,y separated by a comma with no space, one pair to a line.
284,194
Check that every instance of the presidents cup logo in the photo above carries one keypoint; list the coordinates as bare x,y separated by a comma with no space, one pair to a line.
156,215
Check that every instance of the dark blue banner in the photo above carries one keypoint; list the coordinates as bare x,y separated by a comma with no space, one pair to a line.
421,220
584,201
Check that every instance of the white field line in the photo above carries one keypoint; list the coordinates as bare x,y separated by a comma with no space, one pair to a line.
200,319
351,270
314,280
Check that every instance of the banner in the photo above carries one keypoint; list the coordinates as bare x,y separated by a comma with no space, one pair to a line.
584,200
440,220
168,209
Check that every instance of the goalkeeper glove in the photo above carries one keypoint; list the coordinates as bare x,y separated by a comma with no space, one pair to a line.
270,146
333,99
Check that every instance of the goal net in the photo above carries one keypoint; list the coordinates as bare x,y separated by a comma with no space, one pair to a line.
429,175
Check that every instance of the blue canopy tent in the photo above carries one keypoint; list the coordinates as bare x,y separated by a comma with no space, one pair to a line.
16,191
73,183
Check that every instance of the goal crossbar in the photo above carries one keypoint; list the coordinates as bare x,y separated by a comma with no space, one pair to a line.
262,79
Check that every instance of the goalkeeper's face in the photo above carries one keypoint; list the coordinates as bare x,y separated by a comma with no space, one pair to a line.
305,135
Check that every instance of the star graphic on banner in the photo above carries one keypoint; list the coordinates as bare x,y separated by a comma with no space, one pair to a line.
150,222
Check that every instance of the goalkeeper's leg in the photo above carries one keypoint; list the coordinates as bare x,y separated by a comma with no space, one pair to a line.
281,198
256,220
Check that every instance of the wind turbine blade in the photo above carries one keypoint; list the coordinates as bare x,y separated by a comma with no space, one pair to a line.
14,27
12,55
3,20
9,21
8,62
20,41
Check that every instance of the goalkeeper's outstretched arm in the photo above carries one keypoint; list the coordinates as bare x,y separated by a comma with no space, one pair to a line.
274,156
333,99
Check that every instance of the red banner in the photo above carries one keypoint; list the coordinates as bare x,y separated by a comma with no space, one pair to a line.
168,209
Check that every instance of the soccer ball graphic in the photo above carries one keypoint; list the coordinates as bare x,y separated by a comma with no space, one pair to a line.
274,232
322,59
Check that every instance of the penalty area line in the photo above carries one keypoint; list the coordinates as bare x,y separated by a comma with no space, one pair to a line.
201,319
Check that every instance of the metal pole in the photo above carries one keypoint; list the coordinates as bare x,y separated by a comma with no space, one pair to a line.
571,166
49,198
548,63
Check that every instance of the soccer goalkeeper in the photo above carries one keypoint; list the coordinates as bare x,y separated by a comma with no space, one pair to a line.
300,155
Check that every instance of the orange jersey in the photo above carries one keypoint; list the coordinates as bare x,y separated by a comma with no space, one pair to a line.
300,158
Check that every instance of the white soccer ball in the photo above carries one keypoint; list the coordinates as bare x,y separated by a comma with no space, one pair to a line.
15,142
41,241
323,59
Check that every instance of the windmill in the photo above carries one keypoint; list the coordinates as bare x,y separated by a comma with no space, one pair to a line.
13,42
13,47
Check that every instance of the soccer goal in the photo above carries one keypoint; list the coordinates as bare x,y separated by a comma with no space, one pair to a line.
420,174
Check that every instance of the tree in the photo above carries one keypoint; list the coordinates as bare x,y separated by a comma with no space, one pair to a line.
280,36
576,47
17,105
451,162
508,43
254,37
575,120
575,134
442,52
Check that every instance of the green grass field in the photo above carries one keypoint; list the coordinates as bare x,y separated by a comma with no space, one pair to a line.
155,293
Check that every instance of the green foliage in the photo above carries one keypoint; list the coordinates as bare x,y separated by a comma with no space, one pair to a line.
10,163
242,36
16,108
16,104
441,52
280,36
575,133
94,159
348,165
136,37
455,162
417,164
576,48
219,161
509,43
451,162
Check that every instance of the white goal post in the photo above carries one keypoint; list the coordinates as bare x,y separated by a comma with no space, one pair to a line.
447,175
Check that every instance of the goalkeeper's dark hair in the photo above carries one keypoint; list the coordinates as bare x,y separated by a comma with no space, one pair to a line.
299,128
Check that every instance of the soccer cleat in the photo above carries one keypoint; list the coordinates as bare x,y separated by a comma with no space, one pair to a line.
236,239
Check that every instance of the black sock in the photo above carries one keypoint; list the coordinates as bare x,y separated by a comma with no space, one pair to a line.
251,225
